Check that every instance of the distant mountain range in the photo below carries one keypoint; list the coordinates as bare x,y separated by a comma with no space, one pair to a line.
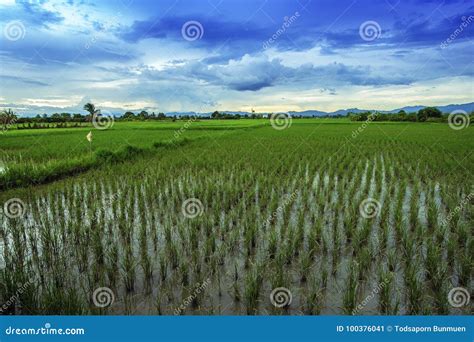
467,107
30,110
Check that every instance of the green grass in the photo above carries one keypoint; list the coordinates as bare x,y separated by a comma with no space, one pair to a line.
279,208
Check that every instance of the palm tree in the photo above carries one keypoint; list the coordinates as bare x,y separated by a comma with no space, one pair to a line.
7,117
91,109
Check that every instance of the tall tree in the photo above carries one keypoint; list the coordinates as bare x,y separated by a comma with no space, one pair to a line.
7,118
429,112
91,109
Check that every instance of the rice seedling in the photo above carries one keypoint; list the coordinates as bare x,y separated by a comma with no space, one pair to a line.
252,286
386,280
314,298
350,299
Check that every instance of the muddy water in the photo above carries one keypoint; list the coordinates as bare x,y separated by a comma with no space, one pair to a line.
218,296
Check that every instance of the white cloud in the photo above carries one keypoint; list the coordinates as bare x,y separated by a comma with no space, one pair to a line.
7,2
52,102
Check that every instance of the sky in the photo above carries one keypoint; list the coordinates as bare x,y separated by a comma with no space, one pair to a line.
236,55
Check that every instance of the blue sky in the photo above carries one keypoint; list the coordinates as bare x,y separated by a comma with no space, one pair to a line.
270,55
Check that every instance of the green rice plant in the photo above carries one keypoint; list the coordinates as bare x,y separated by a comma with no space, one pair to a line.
413,211
252,285
386,280
235,285
350,296
111,264
272,244
324,274
432,215
157,302
172,255
465,267
363,263
392,260
314,298
62,302
414,289
128,269
163,262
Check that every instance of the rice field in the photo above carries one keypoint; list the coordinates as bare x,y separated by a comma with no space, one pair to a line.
43,145
246,219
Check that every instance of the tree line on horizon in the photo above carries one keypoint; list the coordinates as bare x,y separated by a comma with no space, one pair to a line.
427,114
62,120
